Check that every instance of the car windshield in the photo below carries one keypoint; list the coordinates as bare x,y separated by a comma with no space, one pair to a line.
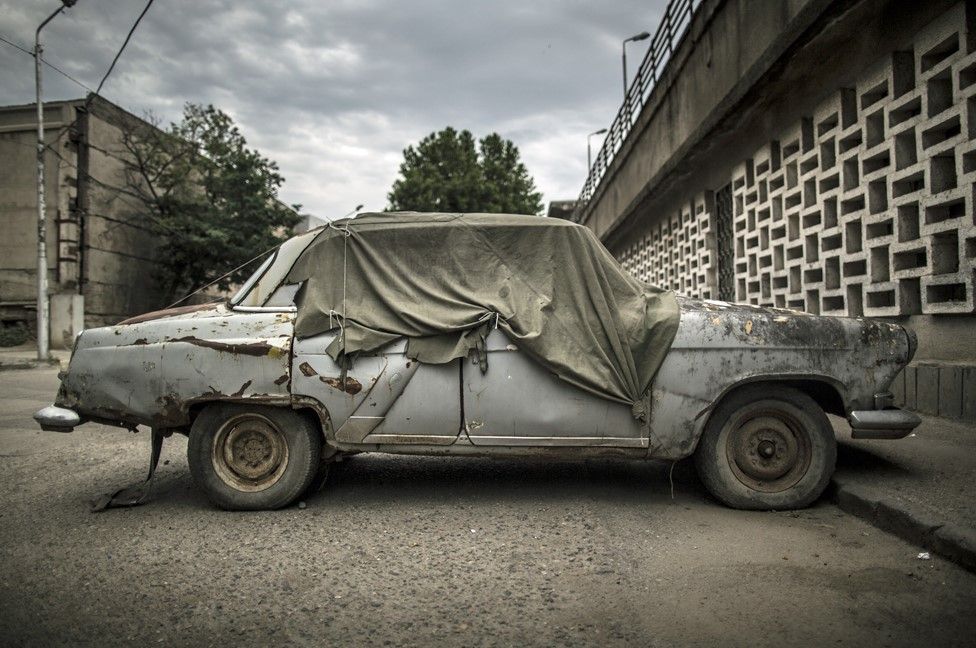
264,287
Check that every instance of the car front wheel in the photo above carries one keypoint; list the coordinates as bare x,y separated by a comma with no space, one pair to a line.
253,457
767,447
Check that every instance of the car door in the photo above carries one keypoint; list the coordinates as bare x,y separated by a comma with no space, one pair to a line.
518,402
385,397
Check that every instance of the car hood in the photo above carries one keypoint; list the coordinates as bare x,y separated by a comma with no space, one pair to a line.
212,309
711,322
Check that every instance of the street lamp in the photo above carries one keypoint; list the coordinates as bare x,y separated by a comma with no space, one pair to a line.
637,37
589,155
42,303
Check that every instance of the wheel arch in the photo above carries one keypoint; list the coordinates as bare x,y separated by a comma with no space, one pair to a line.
308,407
827,392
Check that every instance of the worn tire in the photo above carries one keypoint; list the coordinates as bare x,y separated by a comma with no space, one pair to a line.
755,434
253,457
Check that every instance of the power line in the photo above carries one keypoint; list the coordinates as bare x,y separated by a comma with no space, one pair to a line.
122,49
22,49
50,65
101,83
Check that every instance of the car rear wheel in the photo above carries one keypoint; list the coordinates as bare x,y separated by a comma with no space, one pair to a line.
252,457
767,447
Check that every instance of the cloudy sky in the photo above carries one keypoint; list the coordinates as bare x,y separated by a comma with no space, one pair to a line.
333,91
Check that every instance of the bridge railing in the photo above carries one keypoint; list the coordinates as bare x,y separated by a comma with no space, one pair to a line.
671,30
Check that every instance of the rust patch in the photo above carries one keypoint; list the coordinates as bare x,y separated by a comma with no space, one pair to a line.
282,379
351,386
307,369
171,408
257,349
240,392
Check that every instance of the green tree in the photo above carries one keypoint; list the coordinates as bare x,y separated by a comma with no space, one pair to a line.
446,172
212,200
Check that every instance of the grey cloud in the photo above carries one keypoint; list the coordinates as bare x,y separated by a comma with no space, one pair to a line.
334,91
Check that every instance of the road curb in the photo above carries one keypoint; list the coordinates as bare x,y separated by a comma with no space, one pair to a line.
12,365
906,521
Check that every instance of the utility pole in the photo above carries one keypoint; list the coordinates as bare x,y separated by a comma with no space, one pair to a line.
43,308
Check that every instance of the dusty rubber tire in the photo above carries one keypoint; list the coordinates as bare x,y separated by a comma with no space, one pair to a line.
222,429
726,446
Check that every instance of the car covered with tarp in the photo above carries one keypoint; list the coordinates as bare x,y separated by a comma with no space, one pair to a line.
487,335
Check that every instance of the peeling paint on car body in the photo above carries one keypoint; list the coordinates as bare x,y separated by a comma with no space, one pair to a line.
198,355
349,385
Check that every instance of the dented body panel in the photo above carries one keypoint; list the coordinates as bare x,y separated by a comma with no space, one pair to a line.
159,369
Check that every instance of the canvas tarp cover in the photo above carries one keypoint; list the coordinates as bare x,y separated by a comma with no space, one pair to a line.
444,280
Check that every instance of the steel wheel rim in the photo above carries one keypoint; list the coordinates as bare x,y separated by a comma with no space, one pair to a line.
249,453
768,450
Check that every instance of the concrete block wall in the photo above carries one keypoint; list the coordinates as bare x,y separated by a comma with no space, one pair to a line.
679,252
865,206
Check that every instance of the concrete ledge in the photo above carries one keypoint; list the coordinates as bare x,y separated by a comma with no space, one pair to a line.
906,521
939,389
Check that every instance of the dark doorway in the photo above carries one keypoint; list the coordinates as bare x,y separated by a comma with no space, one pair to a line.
726,244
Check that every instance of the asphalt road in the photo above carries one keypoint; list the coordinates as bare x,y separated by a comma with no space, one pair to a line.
433,551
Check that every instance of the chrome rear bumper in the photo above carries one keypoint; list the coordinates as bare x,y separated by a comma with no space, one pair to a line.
57,419
882,424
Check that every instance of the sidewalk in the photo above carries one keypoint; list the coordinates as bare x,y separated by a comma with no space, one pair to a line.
920,488
24,356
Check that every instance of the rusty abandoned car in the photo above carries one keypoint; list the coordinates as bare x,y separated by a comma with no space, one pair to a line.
488,335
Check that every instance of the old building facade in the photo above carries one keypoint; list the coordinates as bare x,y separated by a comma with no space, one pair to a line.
101,251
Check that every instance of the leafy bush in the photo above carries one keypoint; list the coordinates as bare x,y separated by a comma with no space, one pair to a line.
13,334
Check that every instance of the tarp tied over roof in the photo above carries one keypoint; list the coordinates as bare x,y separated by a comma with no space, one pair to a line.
443,280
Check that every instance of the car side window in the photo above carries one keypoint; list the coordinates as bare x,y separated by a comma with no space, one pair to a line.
283,296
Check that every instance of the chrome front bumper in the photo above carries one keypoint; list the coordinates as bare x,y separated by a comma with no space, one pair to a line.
882,423
57,419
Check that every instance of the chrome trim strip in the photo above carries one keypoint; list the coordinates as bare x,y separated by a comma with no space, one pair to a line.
590,442
265,309
403,439
355,428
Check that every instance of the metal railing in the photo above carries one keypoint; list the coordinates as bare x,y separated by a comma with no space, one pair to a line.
671,30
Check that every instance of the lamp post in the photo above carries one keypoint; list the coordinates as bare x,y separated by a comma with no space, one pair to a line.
589,155
637,37
43,341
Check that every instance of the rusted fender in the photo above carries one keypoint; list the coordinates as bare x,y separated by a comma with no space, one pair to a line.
152,370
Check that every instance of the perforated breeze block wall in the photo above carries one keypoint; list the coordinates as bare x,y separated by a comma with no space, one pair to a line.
866,206
679,252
